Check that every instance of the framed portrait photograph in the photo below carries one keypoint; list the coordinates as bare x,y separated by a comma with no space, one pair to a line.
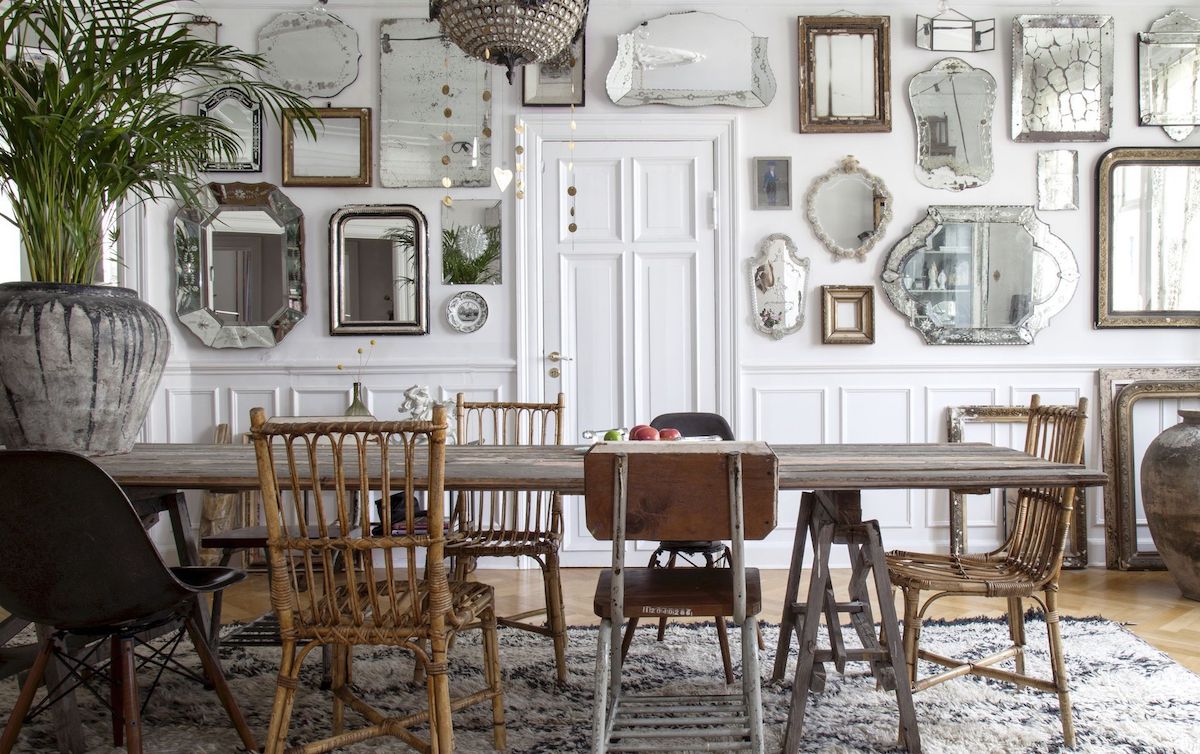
556,82
772,183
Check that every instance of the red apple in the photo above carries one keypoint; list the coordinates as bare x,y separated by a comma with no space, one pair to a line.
669,433
643,432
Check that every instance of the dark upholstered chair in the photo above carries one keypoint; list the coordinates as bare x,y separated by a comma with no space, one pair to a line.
712,553
77,558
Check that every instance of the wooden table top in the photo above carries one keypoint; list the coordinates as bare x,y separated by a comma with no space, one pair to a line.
549,467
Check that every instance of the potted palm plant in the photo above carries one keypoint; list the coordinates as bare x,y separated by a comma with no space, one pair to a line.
96,114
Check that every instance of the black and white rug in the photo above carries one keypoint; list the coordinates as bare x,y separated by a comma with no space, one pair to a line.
1128,697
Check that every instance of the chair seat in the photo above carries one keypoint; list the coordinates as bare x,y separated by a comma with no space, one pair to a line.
208,578
255,537
696,547
468,599
656,592
1000,577
499,544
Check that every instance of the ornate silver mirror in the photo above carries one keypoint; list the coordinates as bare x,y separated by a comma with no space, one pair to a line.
243,115
1062,71
845,74
952,31
980,274
691,59
778,286
379,270
1169,74
239,265
471,242
952,104
311,52
848,209
435,109
1148,238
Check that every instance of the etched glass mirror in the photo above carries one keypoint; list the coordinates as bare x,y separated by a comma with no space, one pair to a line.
848,209
980,274
243,116
1062,72
845,74
311,52
691,59
435,109
1169,74
471,242
1148,238
379,270
778,286
239,264
952,104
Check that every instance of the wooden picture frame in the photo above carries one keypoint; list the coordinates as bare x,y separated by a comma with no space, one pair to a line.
847,314
558,82
821,39
340,155
776,193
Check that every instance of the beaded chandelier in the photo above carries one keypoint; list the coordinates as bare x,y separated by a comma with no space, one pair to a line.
510,32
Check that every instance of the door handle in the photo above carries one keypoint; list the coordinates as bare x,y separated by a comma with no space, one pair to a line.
556,357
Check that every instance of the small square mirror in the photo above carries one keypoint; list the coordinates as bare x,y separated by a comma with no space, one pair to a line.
471,242
340,155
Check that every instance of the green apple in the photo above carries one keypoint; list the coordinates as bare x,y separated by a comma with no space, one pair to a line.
613,434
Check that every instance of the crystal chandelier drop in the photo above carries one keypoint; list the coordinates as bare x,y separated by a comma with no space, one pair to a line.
510,32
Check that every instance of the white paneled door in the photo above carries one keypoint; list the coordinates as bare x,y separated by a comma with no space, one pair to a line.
630,323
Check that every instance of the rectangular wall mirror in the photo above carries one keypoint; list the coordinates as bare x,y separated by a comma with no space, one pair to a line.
1062,78
1148,238
845,74
379,276
340,155
471,242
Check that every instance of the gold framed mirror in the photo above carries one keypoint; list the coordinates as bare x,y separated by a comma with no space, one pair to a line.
855,95
340,155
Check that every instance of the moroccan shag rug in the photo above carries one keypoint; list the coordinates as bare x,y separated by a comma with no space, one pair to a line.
1128,696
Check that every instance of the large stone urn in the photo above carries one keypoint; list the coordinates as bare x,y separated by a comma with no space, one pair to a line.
79,365
1171,496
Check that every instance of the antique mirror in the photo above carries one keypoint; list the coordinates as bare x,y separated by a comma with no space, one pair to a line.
952,104
379,270
1169,74
778,283
311,52
1148,238
435,109
980,274
953,31
340,155
239,265
1062,73
471,242
1057,179
845,74
243,115
691,59
848,209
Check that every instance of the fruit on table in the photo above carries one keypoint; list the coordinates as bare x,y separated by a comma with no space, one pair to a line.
612,434
643,432
669,433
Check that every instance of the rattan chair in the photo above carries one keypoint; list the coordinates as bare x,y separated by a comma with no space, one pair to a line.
512,524
1027,563
393,589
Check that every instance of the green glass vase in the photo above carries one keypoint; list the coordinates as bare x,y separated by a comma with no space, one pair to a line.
357,407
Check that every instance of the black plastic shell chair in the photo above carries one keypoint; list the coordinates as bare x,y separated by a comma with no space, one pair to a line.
713,553
77,558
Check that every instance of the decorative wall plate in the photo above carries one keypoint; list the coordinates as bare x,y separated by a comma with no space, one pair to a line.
467,311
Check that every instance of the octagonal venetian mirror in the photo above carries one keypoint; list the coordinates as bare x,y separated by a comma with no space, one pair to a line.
980,274
952,105
778,278
239,264
848,209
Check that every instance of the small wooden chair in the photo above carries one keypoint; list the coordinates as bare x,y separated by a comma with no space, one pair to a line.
512,524
1027,563
646,491
393,591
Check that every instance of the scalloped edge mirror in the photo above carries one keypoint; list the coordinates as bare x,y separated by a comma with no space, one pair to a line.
193,284
872,219
954,152
974,266
778,279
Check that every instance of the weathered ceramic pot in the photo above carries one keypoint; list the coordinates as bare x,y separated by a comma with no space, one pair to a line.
1171,496
79,365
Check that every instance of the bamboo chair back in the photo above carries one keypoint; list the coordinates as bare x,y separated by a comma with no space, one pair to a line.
1043,515
528,518
389,585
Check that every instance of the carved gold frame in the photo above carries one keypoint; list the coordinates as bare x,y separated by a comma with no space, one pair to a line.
862,329
362,178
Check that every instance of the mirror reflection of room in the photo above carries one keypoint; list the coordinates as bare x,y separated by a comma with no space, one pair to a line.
246,279
845,76
380,270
